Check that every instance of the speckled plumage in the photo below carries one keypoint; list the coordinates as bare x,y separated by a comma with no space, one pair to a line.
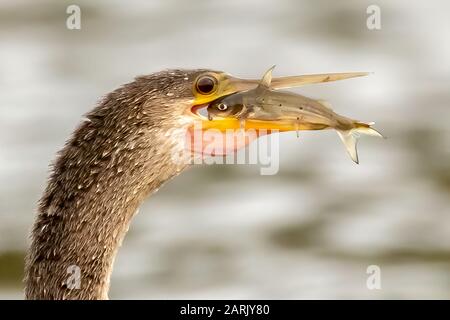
119,155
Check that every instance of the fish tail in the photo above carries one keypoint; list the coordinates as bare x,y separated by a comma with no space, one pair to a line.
350,137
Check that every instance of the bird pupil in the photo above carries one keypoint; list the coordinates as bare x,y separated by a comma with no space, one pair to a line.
205,85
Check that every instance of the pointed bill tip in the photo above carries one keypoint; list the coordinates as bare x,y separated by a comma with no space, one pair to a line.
356,74
349,75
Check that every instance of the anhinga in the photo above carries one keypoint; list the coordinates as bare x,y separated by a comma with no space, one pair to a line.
121,153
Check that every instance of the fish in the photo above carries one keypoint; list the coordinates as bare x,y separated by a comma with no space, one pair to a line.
297,111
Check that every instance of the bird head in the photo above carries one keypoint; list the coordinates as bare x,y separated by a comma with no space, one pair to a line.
194,90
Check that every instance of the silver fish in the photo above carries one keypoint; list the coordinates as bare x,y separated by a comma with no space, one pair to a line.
293,111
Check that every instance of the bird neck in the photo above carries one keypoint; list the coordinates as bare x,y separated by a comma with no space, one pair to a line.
98,182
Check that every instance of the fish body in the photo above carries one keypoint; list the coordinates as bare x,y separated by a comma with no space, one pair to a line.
278,105
265,104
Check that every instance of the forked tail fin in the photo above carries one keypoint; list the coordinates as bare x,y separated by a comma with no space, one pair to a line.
350,137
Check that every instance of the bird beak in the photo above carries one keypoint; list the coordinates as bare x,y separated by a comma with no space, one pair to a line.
294,81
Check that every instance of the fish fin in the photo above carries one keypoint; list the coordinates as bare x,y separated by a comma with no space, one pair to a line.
366,128
350,142
326,104
350,137
267,78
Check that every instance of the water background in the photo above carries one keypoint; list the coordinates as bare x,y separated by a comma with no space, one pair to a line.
225,231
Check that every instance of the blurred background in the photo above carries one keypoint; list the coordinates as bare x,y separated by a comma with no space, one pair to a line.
310,231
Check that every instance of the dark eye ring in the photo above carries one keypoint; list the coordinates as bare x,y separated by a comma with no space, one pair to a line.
206,84
222,106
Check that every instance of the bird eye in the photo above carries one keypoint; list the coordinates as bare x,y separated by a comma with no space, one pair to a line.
222,107
206,84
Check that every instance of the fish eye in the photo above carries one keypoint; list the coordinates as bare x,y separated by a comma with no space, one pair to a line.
206,84
222,106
